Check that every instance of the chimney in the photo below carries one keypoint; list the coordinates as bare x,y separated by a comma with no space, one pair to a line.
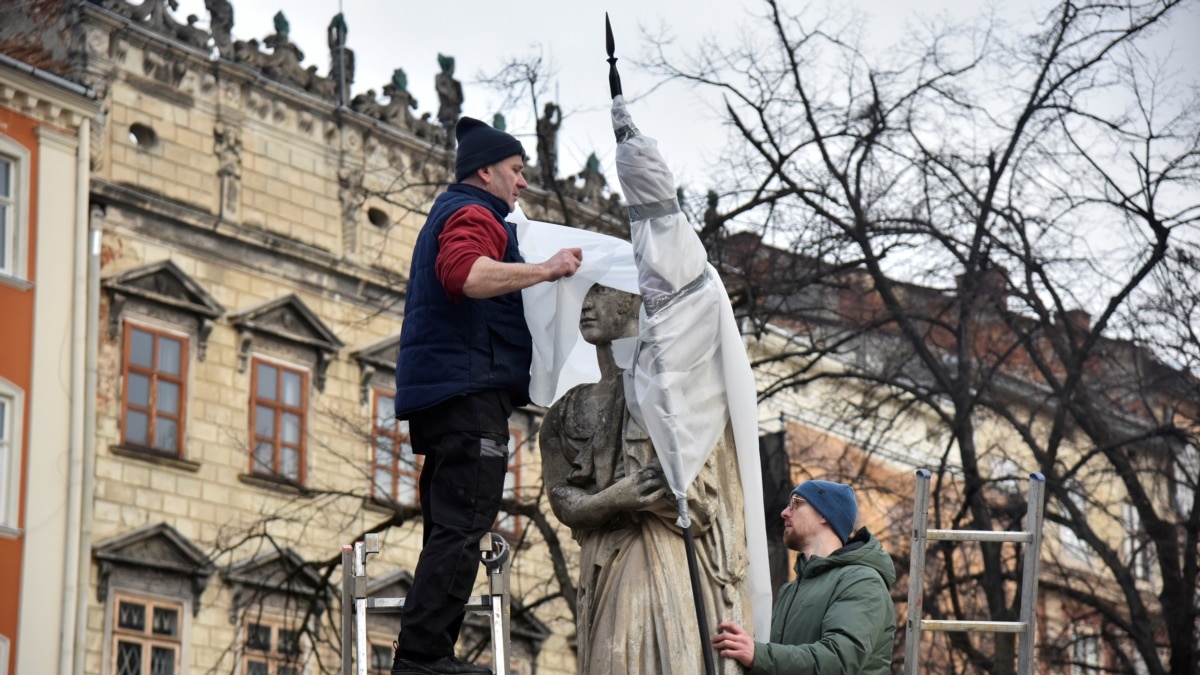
1077,321
992,287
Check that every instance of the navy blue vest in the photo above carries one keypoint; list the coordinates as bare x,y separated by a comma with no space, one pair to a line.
452,348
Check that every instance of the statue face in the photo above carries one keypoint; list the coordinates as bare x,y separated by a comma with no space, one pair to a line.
608,314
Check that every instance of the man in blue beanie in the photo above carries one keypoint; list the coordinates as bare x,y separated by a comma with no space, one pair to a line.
465,353
836,616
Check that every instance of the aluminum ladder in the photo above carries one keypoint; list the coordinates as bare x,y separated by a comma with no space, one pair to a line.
356,604
921,535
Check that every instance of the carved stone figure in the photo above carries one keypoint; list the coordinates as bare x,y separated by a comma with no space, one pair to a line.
283,65
588,186
547,143
227,145
635,612
367,104
450,97
248,53
220,22
398,110
341,58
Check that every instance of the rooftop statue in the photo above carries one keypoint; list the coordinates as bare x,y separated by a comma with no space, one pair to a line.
547,143
450,97
400,102
220,22
341,58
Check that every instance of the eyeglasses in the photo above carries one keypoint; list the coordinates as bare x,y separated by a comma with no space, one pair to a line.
796,503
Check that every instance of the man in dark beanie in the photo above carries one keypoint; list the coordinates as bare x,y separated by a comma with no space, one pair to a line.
465,353
836,616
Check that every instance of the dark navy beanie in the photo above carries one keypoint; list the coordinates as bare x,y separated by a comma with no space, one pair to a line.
834,501
481,145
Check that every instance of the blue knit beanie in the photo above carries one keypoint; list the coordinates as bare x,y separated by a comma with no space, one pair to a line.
481,145
834,501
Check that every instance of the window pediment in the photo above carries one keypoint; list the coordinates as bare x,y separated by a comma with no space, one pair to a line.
373,359
150,558
164,287
289,320
276,579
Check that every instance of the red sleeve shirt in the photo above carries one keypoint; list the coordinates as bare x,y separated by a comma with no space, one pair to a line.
470,233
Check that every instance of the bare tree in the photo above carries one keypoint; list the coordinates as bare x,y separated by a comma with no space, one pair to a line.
998,230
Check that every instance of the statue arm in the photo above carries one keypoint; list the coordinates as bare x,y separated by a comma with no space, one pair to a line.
579,508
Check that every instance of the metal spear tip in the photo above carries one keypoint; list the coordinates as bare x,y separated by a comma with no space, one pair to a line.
614,79
608,36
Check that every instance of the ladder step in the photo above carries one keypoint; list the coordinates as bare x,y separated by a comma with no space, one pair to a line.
974,626
476,603
978,535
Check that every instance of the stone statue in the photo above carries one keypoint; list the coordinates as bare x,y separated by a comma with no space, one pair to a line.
547,143
341,58
220,22
587,186
283,65
400,102
712,219
450,97
367,104
282,28
635,609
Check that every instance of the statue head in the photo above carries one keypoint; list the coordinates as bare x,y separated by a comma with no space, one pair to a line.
608,314
446,63
593,164
399,80
338,30
281,25
498,122
712,199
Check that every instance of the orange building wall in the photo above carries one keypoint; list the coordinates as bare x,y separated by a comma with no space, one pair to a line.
16,349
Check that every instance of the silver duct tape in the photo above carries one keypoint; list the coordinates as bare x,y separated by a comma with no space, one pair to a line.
657,304
667,207
626,132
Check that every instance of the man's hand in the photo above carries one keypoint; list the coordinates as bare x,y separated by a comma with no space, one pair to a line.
489,278
733,642
562,264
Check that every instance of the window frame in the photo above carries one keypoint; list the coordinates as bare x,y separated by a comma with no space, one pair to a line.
280,409
271,656
146,638
155,375
11,456
14,263
399,439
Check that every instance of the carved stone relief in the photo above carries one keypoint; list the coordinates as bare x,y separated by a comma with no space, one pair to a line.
227,145
350,192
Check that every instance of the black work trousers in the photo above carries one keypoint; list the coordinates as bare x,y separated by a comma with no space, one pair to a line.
465,444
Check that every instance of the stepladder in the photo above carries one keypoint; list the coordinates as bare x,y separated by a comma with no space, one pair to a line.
1030,538
357,604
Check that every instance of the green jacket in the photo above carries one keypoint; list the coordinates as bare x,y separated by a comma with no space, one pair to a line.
836,616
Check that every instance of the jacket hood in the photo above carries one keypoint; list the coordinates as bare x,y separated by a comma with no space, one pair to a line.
862,549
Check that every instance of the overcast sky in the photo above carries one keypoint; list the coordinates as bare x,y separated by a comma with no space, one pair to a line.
389,34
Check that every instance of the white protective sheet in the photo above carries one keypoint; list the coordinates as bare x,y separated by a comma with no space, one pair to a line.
687,373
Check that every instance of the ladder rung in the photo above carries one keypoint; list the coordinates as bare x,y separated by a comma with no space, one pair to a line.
476,603
978,535
973,626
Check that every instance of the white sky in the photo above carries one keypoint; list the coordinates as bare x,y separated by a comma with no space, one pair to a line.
389,34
